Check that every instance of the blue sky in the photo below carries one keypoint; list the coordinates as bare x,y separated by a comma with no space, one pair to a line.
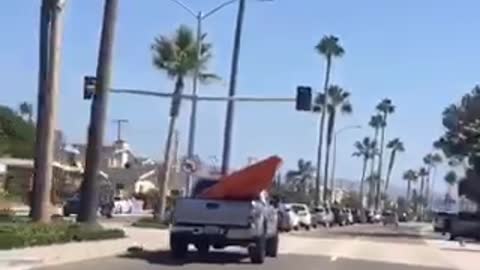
421,54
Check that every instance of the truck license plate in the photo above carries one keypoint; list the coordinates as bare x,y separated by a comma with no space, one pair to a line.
212,230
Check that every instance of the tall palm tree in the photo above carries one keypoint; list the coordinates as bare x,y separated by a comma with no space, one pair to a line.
330,48
377,123
395,146
337,101
423,175
26,110
433,160
364,149
385,108
176,56
410,176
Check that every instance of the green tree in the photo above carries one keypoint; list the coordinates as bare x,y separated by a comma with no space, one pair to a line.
26,110
451,179
176,56
460,142
377,123
365,149
410,176
329,47
338,100
17,137
385,108
395,146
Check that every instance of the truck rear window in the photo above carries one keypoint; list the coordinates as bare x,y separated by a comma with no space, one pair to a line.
202,185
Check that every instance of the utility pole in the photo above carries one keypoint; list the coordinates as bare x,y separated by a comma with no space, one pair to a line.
227,140
51,24
119,123
90,189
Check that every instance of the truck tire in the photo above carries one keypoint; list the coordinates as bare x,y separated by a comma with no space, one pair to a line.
272,246
257,250
178,246
202,248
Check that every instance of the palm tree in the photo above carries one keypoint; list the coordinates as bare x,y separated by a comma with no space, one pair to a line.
410,176
366,150
423,175
176,56
376,122
330,48
432,160
451,179
26,110
395,146
302,176
337,100
385,107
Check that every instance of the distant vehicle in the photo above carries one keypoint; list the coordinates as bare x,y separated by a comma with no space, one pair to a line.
71,206
389,217
349,216
289,220
322,216
403,217
465,225
340,217
441,221
221,223
303,213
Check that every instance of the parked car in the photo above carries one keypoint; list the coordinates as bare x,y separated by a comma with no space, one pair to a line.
71,206
464,225
303,213
349,216
322,216
359,216
441,221
389,217
340,218
288,219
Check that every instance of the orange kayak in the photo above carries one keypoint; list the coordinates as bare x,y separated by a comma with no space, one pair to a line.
246,183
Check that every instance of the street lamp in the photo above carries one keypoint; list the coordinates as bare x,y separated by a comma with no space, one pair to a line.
334,158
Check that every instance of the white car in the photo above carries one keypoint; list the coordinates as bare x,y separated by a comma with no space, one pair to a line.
288,220
303,213
122,206
322,216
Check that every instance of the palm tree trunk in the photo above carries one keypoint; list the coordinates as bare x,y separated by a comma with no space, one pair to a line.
362,179
371,184
409,187
427,188
330,127
320,139
378,189
48,99
164,171
389,172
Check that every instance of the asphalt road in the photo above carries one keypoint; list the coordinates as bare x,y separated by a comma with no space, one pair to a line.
365,247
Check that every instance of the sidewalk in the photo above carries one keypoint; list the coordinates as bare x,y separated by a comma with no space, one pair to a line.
28,258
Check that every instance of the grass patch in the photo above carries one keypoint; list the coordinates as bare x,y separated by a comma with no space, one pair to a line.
149,222
19,233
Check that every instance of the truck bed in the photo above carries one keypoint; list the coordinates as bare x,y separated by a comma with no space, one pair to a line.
191,211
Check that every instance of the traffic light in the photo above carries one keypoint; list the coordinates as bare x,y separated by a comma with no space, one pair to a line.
304,98
89,85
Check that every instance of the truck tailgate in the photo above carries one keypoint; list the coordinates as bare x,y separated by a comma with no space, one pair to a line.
212,212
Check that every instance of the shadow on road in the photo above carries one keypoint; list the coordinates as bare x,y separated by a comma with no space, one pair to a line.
163,257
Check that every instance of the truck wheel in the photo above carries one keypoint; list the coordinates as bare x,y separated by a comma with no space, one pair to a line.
257,250
178,246
272,246
202,248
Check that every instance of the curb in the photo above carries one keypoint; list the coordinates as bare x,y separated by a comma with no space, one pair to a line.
75,252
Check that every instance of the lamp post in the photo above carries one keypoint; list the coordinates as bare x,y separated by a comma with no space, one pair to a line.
334,158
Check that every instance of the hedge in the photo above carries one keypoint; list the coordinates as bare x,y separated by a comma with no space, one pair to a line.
24,234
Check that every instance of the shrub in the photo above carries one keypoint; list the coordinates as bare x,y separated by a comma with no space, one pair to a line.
149,222
24,234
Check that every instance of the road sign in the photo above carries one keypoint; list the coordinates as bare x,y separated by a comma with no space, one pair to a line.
189,166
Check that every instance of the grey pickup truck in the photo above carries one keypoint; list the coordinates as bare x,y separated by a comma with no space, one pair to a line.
221,223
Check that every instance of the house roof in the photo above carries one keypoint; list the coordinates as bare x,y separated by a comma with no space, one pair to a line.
128,176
